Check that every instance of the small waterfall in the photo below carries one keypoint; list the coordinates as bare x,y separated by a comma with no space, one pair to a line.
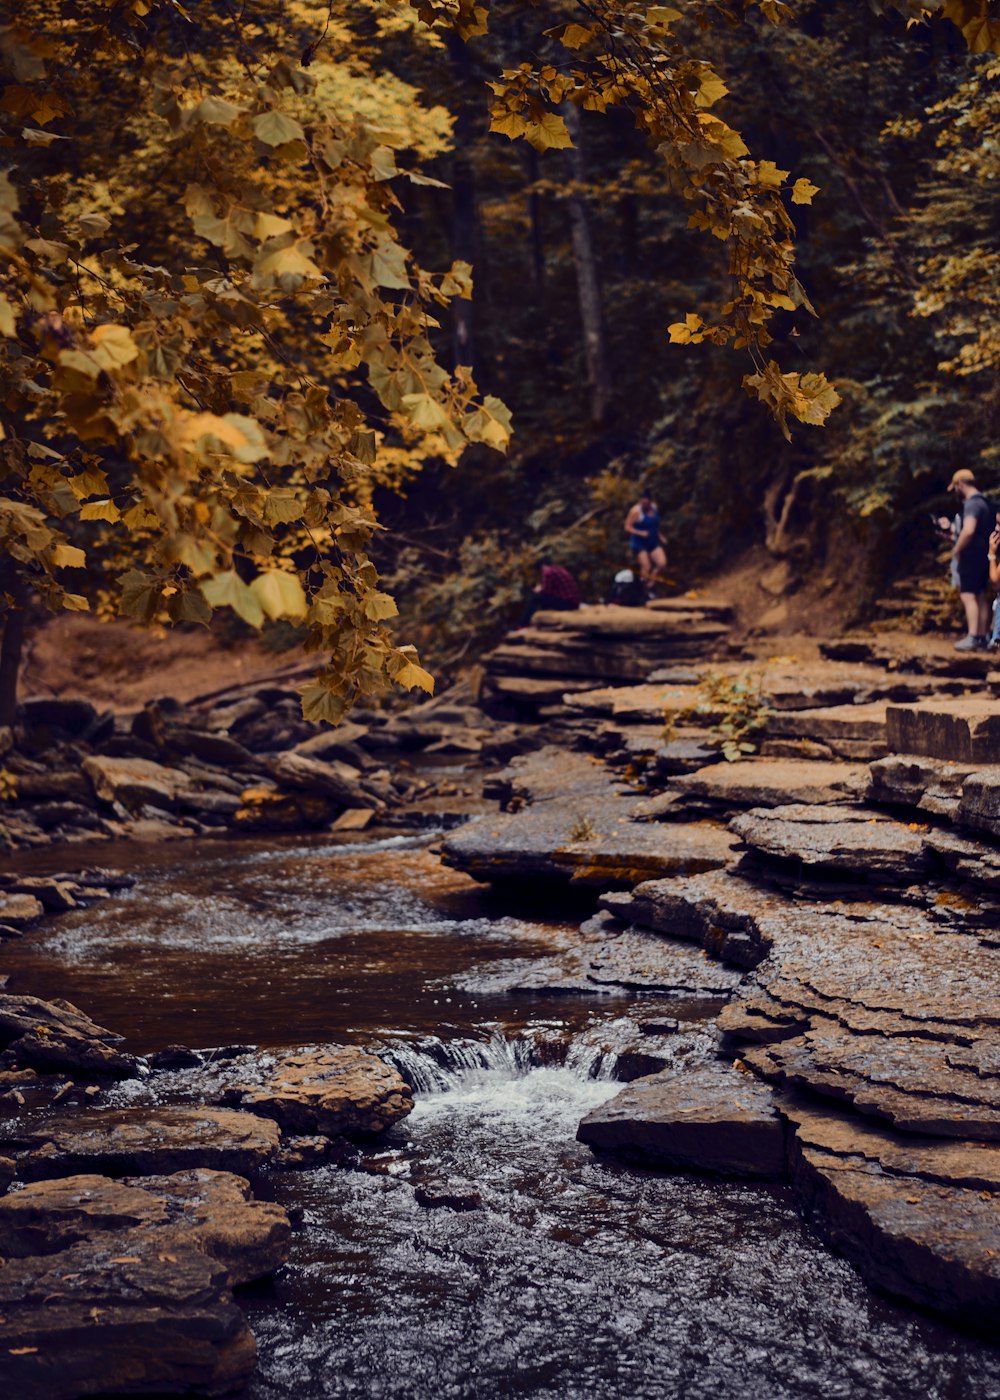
435,1066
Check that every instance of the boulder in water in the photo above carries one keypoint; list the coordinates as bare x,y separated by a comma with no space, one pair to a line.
338,1091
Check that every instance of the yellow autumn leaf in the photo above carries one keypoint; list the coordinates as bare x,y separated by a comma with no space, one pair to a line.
803,191
280,594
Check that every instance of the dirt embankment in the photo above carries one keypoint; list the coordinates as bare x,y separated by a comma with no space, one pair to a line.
120,666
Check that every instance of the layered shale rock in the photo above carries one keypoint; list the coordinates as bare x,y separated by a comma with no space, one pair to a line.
579,824
566,651
125,1141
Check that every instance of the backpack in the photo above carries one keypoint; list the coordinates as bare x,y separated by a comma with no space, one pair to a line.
627,590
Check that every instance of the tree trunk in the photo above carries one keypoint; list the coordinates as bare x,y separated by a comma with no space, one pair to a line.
12,644
537,234
463,195
587,279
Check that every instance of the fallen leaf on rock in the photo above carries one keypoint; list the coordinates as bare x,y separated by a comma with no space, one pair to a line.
21,1351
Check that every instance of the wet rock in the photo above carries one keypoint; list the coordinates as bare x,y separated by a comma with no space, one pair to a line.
711,1118
338,1091
19,909
211,748
448,1195
8,1171
210,1211
60,784
918,1086
54,894
176,1057
86,1321
135,781
965,729
56,1035
298,1152
608,958
858,843
122,1142
917,1218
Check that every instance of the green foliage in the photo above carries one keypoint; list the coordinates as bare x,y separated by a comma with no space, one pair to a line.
738,709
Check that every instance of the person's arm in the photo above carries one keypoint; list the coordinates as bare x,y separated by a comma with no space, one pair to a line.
994,562
965,534
630,522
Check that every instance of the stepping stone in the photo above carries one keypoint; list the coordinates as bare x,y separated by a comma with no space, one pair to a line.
712,1118
849,731
337,1091
771,782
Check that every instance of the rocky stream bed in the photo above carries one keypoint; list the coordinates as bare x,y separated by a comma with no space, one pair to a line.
545,1053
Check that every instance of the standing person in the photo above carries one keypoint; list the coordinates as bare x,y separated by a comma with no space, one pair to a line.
971,554
994,563
557,590
642,525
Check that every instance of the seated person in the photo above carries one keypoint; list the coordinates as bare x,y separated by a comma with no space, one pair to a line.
557,590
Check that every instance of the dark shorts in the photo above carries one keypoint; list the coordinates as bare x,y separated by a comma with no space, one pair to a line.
973,574
642,546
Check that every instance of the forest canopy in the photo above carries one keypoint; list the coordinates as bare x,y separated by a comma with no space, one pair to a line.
272,270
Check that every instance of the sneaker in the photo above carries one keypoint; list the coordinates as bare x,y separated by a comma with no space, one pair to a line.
970,643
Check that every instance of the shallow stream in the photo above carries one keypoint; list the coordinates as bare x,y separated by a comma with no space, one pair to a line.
576,1276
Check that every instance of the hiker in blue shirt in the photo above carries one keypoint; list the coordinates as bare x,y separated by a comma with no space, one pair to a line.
642,525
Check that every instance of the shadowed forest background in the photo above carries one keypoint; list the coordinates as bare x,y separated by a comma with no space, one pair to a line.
898,255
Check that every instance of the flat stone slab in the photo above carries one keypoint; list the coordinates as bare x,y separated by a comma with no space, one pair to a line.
576,821
918,1086
711,1118
919,1220
840,727
811,685
965,729
141,1141
605,620
772,782
858,843
552,841
607,958
337,1091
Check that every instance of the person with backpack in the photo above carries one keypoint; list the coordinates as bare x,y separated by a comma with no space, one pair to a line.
971,555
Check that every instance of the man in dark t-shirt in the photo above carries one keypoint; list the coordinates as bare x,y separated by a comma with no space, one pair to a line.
971,558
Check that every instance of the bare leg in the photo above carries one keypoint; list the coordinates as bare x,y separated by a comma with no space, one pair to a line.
970,602
644,566
984,617
659,561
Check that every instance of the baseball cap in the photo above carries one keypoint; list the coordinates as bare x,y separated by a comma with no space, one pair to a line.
962,478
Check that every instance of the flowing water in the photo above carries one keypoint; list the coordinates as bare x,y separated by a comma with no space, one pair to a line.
572,1276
